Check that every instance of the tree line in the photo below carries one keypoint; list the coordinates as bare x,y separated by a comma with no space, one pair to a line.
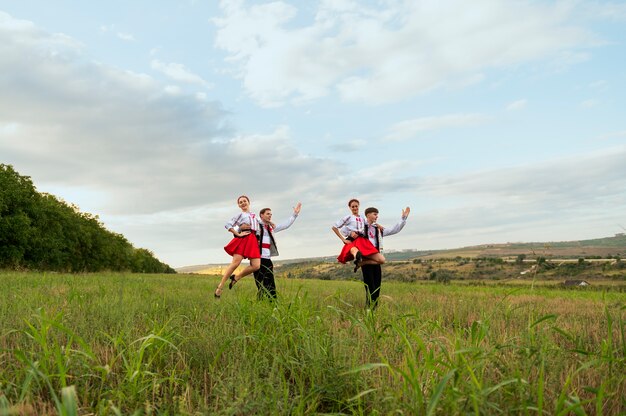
41,232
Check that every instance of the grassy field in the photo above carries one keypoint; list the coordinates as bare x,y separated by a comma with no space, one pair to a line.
113,344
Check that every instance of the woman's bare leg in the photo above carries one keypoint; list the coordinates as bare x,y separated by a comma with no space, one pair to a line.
370,260
237,258
255,264
377,258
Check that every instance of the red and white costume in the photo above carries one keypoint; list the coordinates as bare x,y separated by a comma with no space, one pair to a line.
347,225
246,246
266,236
375,236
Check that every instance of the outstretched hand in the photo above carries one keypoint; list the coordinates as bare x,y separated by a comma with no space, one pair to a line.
296,209
405,212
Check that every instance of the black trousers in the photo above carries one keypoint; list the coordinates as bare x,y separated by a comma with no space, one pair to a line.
372,278
264,279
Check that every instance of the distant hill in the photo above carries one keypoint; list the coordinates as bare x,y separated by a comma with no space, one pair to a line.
598,247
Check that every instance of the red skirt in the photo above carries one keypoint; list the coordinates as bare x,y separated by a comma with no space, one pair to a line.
364,245
247,246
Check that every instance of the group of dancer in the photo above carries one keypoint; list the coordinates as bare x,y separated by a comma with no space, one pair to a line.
253,238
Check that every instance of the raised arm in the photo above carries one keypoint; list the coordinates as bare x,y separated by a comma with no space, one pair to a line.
287,224
400,225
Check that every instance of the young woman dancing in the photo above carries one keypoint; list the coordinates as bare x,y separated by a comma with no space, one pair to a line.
350,229
243,245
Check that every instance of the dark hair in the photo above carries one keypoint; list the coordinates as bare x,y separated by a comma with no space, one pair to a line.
263,210
370,210
353,200
242,196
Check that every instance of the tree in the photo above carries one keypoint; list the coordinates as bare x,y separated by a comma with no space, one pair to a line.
39,231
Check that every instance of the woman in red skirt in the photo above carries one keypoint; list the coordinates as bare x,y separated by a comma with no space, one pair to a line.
350,229
244,245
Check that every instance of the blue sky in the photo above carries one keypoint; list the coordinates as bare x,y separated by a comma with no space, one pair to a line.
494,121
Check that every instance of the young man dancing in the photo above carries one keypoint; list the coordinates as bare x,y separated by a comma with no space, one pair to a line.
264,277
370,266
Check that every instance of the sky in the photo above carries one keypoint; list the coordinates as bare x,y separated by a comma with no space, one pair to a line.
494,121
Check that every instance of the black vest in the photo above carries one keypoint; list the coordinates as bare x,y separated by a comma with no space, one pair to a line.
377,235
272,241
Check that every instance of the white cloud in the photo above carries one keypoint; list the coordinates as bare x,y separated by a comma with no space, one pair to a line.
389,52
178,72
599,85
575,197
173,89
562,61
349,146
8,129
69,122
409,129
517,105
612,135
558,182
615,11
590,103
125,36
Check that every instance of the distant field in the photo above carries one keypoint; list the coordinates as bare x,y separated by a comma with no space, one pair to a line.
161,344
613,247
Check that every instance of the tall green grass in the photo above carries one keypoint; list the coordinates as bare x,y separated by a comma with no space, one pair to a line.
134,344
